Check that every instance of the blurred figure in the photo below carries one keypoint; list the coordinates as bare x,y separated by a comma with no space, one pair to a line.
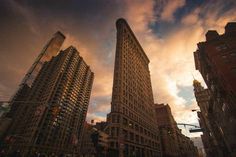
53,155
42,155
61,155
3,153
16,154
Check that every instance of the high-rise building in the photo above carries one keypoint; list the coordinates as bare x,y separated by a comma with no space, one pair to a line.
50,49
173,142
62,86
216,60
131,123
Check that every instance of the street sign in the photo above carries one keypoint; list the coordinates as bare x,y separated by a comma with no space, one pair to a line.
195,130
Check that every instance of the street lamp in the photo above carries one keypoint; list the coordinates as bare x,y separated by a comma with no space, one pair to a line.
196,110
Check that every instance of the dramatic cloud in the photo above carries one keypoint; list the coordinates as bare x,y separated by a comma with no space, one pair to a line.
168,30
171,56
169,8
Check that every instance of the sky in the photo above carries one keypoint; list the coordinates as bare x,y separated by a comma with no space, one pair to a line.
168,31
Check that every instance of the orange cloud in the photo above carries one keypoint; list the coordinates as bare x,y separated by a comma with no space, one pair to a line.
169,8
171,56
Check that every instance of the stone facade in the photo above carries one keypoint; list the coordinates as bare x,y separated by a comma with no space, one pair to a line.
131,122
211,145
216,60
174,143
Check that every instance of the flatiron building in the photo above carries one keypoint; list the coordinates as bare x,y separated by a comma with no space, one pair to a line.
131,123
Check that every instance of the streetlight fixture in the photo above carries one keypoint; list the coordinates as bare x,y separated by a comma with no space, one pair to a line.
196,110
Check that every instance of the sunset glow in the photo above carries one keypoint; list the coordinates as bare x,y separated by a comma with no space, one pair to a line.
168,30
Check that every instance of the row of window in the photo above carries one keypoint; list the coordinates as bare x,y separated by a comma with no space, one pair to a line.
132,137
132,125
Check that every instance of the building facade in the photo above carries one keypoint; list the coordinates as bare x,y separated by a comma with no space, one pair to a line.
51,49
54,126
200,147
216,60
88,148
101,125
168,130
131,122
212,146
186,146
94,142
174,143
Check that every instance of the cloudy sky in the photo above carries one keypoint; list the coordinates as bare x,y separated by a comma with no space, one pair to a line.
168,30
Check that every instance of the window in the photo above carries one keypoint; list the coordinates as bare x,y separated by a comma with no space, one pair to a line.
113,118
136,127
224,56
125,121
142,141
137,138
233,54
221,47
112,131
234,71
131,124
131,136
141,130
117,131
125,134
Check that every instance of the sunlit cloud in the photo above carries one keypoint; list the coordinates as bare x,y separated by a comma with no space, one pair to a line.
169,7
92,32
95,117
171,57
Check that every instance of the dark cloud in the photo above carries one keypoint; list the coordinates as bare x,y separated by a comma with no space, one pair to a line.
26,25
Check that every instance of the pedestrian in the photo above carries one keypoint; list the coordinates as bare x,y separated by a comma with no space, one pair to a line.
3,153
16,154
13,154
42,155
53,155
35,154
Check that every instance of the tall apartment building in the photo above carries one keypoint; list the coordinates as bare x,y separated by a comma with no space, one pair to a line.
216,60
174,143
50,49
62,86
211,138
131,122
